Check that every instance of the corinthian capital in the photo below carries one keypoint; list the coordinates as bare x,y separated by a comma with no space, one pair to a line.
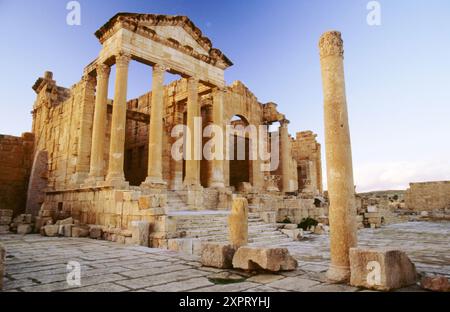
160,68
123,59
331,43
103,70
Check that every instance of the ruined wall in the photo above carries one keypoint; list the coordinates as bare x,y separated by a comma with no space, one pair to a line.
428,196
62,124
307,152
15,165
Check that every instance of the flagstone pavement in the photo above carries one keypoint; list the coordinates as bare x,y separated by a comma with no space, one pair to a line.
36,263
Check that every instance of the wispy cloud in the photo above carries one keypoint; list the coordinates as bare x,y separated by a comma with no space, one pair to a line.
398,175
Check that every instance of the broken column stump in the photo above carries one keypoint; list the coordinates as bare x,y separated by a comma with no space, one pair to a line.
381,269
238,223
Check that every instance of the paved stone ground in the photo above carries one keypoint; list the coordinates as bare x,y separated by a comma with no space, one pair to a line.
36,263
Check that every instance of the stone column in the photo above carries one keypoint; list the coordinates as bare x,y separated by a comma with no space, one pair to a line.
96,172
217,164
156,128
342,212
192,177
116,174
285,155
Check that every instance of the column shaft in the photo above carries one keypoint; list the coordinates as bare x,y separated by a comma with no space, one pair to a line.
117,145
193,110
96,172
342,211
156,127
284,156
217,164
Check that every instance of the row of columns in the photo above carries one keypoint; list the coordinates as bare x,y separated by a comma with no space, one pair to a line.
115,174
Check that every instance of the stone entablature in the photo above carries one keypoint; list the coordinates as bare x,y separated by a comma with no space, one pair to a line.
151,39
153,26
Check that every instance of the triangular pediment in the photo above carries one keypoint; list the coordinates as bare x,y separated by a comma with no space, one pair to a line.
174,30
179,34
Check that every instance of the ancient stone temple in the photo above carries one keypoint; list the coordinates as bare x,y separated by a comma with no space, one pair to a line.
110,161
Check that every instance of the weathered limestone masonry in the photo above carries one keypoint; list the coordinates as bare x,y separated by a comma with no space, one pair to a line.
106,162
15,159
2,265
341,190
307,152
428,196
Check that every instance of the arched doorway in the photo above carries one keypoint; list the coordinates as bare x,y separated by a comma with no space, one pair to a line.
240,167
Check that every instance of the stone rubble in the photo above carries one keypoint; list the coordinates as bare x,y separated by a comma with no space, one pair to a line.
217,255
435,283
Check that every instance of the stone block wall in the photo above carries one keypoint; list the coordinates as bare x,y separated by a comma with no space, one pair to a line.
15,164
428,196
113,208
307,152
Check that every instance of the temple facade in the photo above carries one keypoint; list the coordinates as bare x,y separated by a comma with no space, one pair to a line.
111,161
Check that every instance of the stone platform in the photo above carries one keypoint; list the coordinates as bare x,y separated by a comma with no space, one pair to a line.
36,263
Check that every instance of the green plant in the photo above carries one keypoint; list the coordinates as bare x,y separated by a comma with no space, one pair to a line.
286,220
306,223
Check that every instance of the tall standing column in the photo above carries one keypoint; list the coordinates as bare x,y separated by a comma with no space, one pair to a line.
99,128
116,174
217,164
156,128
192,177
284,155
342,211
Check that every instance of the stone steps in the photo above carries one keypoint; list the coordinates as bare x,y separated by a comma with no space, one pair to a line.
213,226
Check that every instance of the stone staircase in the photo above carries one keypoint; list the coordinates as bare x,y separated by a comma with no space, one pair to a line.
201,226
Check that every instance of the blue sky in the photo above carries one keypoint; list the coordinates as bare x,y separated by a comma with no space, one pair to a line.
397,74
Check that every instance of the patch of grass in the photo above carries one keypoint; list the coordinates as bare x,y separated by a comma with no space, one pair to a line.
224,278
306,223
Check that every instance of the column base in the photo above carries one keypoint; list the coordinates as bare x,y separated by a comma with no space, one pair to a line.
151,182
217,185
115,182
338,274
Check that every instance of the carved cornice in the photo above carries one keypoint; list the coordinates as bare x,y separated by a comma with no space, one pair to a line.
131,21
331,43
